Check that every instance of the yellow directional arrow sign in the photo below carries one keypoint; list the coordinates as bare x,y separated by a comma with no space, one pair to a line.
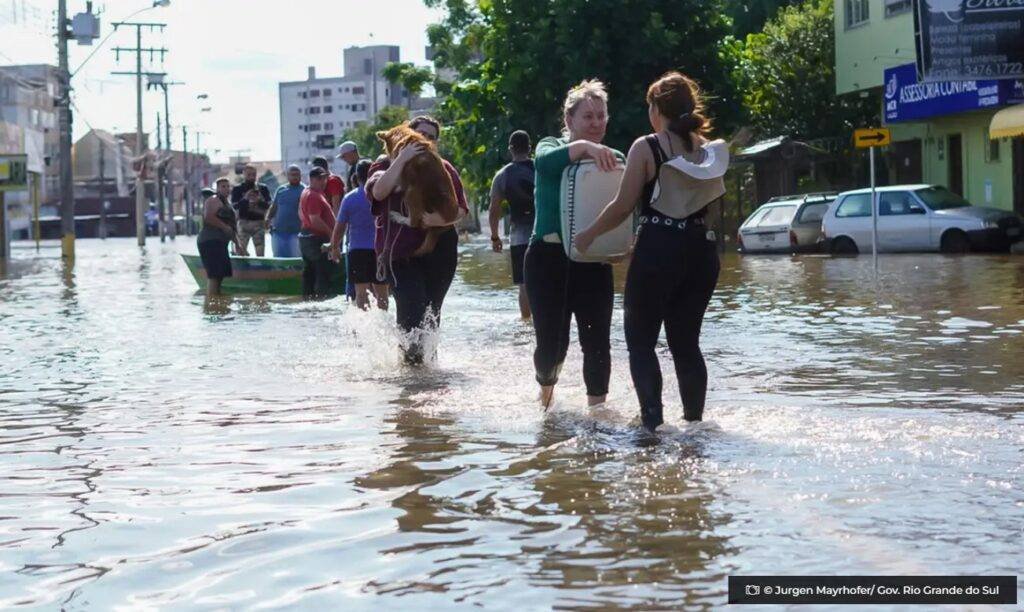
871,137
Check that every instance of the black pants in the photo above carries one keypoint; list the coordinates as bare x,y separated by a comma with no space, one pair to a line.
316,270
558,288
670,281
420,285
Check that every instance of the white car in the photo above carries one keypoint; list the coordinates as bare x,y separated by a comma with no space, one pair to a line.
916,218
785,224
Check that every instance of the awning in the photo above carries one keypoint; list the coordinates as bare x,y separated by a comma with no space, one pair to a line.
1007,123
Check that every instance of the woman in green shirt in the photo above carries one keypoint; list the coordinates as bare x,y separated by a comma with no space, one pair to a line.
557,287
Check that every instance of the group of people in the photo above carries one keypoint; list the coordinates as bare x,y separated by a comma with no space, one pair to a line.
672,273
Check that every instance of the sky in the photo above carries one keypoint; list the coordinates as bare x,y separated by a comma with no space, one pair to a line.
235,51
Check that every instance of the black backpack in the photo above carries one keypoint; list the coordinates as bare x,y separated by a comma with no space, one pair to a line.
519,191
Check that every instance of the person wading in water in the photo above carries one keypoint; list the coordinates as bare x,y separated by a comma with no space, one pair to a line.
675,264
557,287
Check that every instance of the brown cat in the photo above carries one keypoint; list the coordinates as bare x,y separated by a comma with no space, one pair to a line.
426,185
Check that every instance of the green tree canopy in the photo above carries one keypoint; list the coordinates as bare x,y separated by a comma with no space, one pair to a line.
515,60
410,77
786,76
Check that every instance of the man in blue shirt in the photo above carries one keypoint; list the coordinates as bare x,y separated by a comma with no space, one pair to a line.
355,217
283,216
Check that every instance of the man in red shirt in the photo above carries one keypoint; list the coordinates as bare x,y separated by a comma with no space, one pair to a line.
317,220
335,188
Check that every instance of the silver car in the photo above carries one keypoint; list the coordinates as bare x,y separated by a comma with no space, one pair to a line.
917,218
785,224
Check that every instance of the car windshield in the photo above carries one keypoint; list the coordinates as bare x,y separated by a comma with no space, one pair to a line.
777,215
940,198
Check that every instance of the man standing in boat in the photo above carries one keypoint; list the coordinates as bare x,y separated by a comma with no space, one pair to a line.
283,216
252,212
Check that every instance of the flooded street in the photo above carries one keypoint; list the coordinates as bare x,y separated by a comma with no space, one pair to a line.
274,453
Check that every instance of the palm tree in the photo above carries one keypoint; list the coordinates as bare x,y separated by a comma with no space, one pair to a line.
410,77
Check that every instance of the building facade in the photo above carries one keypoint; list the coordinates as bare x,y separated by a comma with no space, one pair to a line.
316,111
940,130
27,96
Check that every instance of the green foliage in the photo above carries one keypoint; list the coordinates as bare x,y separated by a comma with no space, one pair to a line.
516,59
365,134
749,16
411,77
786,75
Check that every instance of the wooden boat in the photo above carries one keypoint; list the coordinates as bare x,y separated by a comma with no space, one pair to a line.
271,275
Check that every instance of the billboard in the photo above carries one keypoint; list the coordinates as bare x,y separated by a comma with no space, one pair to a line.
13,172
962,40
908,100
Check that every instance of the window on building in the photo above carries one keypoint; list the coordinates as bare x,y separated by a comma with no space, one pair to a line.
328,109
358,91
302,94
367,66
315,93
327,93
328,126
857,12
896,7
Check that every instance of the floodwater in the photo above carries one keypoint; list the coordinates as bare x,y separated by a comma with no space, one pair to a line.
272,453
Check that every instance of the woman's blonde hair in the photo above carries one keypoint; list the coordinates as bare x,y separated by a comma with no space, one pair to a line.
588,89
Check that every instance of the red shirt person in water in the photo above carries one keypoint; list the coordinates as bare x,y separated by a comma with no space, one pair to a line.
317,220
335,188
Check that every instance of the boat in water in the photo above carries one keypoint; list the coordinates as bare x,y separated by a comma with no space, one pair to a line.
270,275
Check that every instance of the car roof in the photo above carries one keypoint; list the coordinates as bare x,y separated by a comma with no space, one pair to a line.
913,187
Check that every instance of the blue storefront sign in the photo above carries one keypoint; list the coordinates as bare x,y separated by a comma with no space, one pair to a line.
908,100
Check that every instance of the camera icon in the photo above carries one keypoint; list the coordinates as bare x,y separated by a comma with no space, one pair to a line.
753,589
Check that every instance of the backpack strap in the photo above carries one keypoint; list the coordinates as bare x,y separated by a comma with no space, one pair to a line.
659,159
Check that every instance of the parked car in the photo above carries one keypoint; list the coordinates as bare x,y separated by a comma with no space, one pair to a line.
917,218
785,224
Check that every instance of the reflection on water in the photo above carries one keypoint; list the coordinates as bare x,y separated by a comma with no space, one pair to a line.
158,451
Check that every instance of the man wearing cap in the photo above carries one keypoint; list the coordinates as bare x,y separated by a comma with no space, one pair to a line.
283,216
335,188
317,220
348,152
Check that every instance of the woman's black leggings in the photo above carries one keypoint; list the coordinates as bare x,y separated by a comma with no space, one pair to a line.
557,289
670,281
420,285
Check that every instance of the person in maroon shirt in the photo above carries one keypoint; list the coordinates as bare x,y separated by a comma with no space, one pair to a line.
419,284
317,219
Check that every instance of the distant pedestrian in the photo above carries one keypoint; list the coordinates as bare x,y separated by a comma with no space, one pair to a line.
356,218
217,231
252,210
514,184
283,216
334,189
317,220
348,152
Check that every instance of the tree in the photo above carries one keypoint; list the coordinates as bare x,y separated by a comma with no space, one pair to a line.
515,60
749,16
410,77
365,134
786,76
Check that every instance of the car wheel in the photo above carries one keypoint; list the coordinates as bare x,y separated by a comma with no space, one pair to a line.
954,241
844,246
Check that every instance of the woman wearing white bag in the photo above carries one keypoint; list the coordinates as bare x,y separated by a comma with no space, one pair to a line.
673,174
556,287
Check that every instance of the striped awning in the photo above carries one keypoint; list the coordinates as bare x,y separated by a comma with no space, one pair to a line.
1007,123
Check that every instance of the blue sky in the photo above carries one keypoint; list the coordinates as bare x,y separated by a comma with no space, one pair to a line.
235,51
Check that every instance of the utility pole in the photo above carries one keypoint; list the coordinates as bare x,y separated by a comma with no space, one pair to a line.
103,189
159,182
67,194
169,168
187,171
140,187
